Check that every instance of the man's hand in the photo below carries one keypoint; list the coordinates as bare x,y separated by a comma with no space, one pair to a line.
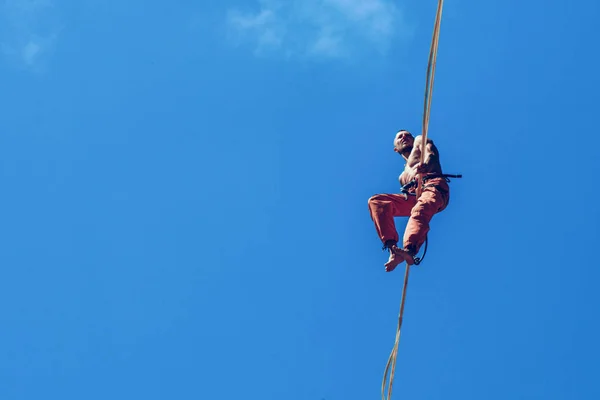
421,168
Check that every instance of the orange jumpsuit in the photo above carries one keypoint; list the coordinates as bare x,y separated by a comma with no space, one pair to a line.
384,207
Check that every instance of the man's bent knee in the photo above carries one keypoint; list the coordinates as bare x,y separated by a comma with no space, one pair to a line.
375,199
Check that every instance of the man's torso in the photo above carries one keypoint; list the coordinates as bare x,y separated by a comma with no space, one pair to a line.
414,159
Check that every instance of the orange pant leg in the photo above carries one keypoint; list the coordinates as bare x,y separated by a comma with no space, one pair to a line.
383,209
430,202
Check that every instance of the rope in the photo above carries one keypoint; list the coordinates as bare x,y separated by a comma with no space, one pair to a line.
392,358
427,108
429,84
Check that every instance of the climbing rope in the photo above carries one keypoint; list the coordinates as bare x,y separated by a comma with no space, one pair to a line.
429,85
427,108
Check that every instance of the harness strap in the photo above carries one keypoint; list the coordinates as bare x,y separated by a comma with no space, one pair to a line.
405,189
417,260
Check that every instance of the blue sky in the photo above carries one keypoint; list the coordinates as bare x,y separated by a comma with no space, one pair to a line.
184,210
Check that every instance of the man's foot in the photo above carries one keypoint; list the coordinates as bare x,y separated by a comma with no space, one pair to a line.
393,262
406,254
397,257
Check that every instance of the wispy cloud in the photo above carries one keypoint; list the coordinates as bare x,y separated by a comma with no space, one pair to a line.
28,32
325,28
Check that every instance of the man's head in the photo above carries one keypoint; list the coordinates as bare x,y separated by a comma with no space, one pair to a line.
403,142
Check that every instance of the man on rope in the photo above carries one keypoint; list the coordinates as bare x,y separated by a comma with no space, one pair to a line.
434,198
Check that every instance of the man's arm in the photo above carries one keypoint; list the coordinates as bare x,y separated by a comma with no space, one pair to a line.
431,155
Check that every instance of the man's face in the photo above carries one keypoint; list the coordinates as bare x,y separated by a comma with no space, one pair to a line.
403,141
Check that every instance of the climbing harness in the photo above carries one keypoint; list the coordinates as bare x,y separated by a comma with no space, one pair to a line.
427,107
406,188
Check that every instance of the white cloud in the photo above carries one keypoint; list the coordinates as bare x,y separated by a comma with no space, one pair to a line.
325,28
28,31
264,25
30,51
